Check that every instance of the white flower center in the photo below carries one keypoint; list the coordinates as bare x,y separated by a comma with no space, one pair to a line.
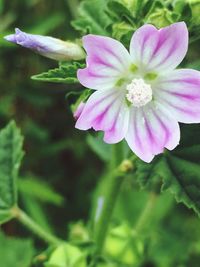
139,93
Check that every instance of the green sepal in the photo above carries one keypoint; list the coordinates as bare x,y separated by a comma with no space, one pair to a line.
67,255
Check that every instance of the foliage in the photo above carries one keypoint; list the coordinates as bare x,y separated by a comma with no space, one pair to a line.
66,73
149,227
10,158
12,252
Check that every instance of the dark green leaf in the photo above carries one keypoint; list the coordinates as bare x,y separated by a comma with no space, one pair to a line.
178,171
120,8
183,180
92,17
10,158
66,73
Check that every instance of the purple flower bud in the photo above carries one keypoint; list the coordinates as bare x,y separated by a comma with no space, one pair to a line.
47,46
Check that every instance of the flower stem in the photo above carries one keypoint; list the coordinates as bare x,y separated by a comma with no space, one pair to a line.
147,212
22,217
115,180
108,205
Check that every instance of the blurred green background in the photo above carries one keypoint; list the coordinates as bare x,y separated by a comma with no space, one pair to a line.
60,169
55,150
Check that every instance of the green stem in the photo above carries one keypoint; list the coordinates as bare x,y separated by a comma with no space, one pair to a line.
114,182
117,155
146,214
22,217
109,201
73,7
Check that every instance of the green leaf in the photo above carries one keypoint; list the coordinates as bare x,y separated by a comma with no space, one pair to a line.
97,144
124,22
92,17
40,190
177,171
11,155
15,252
5,215
183,180
121,9
66,73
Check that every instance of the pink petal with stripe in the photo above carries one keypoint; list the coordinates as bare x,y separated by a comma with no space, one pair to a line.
180,94
159,50
150,132
106,111
107,61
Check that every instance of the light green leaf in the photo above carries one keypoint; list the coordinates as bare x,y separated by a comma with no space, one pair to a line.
5,215
66,73
92,17
15,252
11,155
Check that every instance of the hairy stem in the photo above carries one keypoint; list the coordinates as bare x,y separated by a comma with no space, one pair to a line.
22,217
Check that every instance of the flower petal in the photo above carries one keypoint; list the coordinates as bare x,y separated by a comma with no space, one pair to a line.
106,111
107,60
159,50
150,131
180,93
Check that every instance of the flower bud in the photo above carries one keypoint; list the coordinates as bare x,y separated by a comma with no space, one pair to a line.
47,46
123,245
67,255
79,233
79,110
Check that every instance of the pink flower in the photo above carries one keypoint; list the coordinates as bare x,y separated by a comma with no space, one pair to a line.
139,95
